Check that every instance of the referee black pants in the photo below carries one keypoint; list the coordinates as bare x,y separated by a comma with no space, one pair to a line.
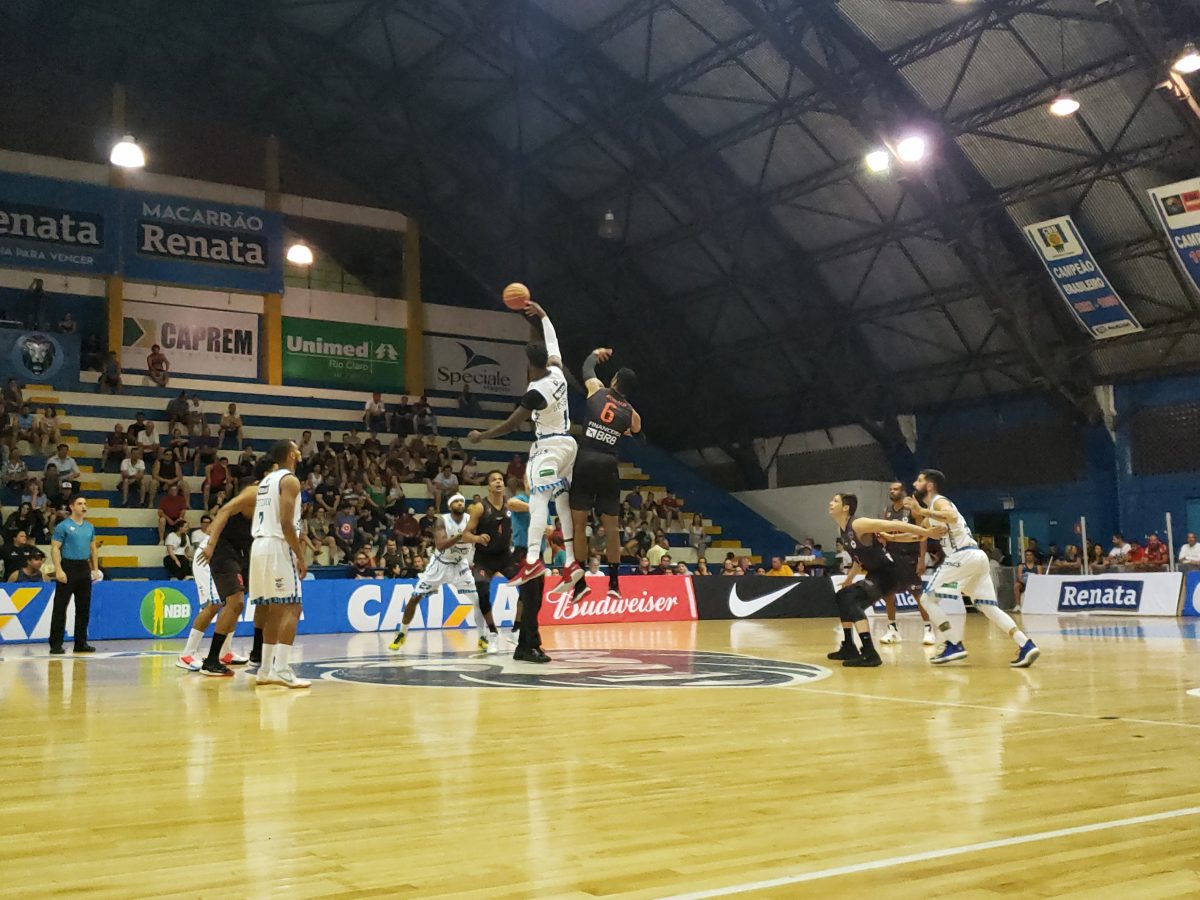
530,593
79,586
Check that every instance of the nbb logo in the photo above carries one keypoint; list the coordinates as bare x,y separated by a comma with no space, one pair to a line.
165,612
1106,594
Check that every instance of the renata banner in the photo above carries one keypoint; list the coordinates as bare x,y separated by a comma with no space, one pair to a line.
644,598
1127,593
58,226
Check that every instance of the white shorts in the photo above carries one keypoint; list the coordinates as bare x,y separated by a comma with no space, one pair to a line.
273,575
970,570
552,463
206,588
457,575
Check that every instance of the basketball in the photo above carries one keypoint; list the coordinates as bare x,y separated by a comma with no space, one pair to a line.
516,295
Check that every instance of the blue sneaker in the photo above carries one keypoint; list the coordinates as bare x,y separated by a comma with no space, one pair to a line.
1026,655
949,653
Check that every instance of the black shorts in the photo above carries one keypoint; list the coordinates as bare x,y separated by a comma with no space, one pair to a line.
230,576
505,564
596,484
906,573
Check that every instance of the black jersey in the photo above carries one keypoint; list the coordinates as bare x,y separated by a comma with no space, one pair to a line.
607,417
497,525
906,551
869,553
233,544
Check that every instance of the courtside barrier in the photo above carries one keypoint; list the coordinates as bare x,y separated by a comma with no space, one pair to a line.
1191,594
1125,593
644,598
760,597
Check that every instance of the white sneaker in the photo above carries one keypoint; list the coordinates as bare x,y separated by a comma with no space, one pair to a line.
234,659
496,643
288,679
264,677
927,640
891,636
190,663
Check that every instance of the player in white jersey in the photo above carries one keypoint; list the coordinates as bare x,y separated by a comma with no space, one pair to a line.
552,456
207,594
277,565
454,544
965,565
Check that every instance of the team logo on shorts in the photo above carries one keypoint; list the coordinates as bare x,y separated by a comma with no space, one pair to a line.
571,669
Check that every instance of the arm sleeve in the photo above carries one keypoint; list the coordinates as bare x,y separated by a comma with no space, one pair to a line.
533,399
550,337
589,367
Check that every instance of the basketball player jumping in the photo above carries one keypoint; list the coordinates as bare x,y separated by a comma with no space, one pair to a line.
910,556
552,456
884,575
596,483
277,565
454,543
965,565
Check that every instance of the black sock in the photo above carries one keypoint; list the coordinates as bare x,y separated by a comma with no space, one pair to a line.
256,650
867,646
492,629
214,651
848,636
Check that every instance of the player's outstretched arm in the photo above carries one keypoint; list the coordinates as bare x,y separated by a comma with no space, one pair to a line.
549,335
242,504
590,381
519,416
517,505
895,531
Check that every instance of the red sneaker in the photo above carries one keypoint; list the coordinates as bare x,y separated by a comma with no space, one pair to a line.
572,572
528,572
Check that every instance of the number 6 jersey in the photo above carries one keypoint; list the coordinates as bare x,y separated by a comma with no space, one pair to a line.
609,416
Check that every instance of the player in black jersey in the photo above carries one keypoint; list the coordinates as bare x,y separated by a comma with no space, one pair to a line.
596,484
882,574
228,555
491,517
910,556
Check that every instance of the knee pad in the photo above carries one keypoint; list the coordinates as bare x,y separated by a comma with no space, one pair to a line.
484,590
852,601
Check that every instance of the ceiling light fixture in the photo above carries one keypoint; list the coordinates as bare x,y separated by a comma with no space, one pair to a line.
911,149
127,154
879,161
1188,62
609,229
300,254
1064,105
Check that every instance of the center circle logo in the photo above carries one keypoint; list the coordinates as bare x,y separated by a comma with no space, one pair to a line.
570,669
165,612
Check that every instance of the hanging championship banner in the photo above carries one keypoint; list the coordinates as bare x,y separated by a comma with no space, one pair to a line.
1178,208
1086,290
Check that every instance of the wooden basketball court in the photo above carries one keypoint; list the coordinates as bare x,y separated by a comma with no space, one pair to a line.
643,763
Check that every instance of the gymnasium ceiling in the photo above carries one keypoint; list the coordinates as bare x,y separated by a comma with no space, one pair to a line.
763,281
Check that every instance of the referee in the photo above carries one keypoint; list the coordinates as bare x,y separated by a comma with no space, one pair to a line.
73,549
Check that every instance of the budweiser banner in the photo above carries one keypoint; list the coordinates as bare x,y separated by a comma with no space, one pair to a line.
644,598
760,597
1178,208
1085,289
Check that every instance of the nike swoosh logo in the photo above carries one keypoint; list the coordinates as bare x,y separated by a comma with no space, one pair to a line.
742,608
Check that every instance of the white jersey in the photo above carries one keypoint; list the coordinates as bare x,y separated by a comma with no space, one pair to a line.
958,535
199,542
460,551
555,418
267,508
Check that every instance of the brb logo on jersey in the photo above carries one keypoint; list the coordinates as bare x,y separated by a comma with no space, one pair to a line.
571,669
1107,594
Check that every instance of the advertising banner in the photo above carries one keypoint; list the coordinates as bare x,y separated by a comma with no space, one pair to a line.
1086,290
196,340
487,367
58,226
40,357
761,597
644,598
177,240
1191,594
129,610
343,355
1178,209
1127,593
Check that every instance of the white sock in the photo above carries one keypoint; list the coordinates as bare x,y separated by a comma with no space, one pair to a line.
539,513
1003,621
938,618
480,621
193,642
268,659
892,625
227,645
283,656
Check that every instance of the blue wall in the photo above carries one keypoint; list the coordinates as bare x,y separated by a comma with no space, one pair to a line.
1109,494
88,312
